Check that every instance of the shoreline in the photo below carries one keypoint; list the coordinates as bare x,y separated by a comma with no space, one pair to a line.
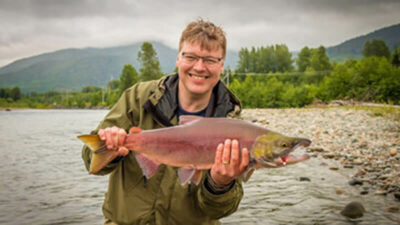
364,145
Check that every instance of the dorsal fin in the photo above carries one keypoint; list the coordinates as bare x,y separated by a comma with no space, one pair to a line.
135,130
187,119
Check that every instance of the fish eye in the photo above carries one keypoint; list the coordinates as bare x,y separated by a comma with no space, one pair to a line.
284,145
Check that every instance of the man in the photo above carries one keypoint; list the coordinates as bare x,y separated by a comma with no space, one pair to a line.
194,90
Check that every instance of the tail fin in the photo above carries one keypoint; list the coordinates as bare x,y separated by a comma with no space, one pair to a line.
101,156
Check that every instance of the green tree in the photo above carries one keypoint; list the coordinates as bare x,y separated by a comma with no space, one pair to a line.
147,57
396,57
89,89
376,47
112,85
319,61
128,77
15,93
303,59
283,58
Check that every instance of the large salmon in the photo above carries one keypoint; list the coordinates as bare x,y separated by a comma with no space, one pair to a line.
192,146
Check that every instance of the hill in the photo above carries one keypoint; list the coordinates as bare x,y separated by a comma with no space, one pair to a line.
72,69
353,48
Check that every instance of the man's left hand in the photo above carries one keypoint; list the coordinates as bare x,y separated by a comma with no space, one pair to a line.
229,163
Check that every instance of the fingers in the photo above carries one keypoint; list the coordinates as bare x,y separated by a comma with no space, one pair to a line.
245,159
114,139
218,155
227,152
235,154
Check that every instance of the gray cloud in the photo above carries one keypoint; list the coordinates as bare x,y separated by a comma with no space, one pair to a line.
31,27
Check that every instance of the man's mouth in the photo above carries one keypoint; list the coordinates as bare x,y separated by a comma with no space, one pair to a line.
198,77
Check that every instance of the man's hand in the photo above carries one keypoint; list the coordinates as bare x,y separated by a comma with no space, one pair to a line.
228,164
114,138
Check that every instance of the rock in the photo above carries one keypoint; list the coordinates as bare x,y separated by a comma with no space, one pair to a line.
305,179
393,151
358,162
328,155
364,192
316,149
392,208
354,181
353,210
397,195
348,166
339,191
381,192
334,168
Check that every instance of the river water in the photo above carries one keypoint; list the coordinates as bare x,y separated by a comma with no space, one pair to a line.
43,180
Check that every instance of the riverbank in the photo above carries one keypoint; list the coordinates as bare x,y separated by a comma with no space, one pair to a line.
362,142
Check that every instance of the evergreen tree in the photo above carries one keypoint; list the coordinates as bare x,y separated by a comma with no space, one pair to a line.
128,77
376,47
150,69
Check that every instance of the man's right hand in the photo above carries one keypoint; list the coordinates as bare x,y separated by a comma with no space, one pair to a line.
114,138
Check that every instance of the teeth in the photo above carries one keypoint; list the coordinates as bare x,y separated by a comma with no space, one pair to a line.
197,77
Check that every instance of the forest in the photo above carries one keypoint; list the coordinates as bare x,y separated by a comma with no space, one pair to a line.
265,77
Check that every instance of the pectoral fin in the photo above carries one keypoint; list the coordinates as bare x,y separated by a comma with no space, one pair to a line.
187,174
149,167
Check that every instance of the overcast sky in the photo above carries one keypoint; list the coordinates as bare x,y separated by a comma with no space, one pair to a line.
32,27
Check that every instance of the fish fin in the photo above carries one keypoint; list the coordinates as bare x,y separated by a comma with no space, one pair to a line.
135,130
149,167
247,174
196,178
186,174
93,142
187,119
102,159
101,156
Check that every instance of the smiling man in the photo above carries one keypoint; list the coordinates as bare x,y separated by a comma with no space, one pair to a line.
194,90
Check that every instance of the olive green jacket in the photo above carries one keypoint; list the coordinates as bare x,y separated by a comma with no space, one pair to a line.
132,199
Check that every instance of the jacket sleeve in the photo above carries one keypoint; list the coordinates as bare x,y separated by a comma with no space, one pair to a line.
121,115
221,205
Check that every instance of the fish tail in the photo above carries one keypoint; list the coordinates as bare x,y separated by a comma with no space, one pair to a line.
93,142
101,156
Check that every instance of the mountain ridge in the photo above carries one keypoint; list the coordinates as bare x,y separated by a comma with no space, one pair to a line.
73,68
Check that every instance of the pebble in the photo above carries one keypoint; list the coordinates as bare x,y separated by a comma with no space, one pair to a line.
393,152
339,191
392,208
397,195
305,179
353,210
348,166
354,181
365,192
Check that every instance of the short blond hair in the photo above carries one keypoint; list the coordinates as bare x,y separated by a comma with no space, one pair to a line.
208,35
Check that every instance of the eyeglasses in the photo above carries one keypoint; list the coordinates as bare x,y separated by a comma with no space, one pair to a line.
191,58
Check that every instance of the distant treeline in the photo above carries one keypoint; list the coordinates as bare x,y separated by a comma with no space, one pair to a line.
265,77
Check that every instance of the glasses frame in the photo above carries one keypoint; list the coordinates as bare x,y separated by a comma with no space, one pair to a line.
204,58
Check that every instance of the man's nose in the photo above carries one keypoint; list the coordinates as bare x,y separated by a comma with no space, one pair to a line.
199,65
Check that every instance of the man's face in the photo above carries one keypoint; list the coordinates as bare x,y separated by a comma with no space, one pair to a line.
198,76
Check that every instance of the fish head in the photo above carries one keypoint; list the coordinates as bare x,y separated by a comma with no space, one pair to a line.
272,146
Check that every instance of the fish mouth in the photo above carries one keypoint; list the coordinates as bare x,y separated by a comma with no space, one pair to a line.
285,157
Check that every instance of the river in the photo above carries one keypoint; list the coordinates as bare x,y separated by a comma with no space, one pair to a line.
43,180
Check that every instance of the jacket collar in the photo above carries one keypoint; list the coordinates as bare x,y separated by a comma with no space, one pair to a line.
163,101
